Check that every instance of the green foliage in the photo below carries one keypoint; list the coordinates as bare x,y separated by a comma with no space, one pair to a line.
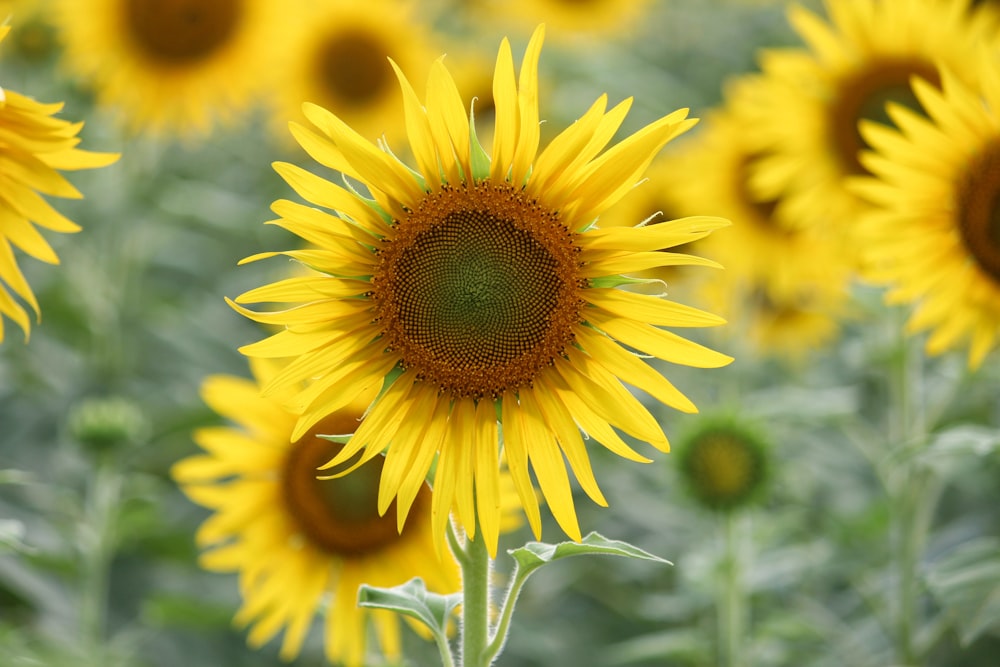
414,600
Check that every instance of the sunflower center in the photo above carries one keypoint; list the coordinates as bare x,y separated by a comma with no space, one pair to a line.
182,31
724,465
977,202
354,67
339,515
479,289
865,95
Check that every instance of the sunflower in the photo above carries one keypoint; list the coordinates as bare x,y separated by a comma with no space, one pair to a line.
935,236
724,462
338,57
297,542
34,147
172,66
863,56
478,292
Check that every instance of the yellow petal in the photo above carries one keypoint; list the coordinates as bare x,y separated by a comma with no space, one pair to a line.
649,309
506,113
659,343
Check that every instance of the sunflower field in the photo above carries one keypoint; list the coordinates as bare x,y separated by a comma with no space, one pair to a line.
325,324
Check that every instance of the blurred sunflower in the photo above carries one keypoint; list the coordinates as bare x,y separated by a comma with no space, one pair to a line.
34,147
300,543
477,291
785,285
935,238
337,56
862,58
725,462
34,40
172,66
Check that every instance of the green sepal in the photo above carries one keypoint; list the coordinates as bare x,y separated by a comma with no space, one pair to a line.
369,201
479,158
417,176
534,555
339,438
617,281
414,600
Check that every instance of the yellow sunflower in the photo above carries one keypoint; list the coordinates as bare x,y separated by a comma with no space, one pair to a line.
172,66
34,147
935,236
860,57
338,57
300,543
476,290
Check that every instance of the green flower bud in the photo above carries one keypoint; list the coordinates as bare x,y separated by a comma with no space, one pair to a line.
102,424
724,462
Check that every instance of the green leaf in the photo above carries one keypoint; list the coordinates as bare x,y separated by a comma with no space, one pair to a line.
533,555
966,583
964,441
14,476
12,537
414,600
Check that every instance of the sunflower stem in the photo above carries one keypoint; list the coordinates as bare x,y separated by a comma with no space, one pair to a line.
732,598
913,493
97,544
476,569
499,637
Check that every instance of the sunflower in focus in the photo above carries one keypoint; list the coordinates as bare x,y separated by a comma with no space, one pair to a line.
338,58
477,291
786,285
172,66
34,147
934,237
861,57
298,543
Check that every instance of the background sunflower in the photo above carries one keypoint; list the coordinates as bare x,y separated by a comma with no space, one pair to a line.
173,67
302,546
338,57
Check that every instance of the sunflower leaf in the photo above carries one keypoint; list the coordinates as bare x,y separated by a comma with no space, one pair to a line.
533,555
966,582
12,534
414,600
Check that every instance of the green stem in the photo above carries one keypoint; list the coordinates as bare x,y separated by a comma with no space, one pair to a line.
476,570
506,613
732,599
912,496
444,648
98,546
